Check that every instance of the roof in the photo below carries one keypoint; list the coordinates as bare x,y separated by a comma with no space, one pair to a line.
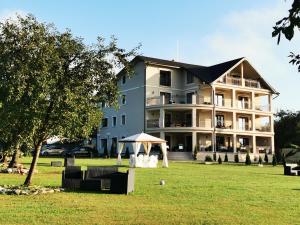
206,74
142,137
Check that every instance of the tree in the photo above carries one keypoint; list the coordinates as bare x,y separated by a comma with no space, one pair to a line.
55,80
274,160
286,27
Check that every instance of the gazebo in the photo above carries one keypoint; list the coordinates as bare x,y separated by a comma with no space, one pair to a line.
146,140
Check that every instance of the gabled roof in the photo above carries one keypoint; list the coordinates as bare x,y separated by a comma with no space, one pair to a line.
206,74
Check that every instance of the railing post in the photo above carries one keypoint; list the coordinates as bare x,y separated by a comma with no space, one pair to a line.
194,99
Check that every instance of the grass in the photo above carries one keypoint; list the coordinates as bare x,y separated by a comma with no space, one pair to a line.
194,194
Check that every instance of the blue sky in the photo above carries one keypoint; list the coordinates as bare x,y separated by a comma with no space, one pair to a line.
208,32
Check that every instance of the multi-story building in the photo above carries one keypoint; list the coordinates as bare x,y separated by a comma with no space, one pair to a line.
221,108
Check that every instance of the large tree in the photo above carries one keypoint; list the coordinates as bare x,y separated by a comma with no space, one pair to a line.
54,82
286,26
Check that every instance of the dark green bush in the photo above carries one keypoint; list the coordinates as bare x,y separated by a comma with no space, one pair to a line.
226,158
266,158
259,160
215,156
236,158
274,160
219,160
208,158
248,160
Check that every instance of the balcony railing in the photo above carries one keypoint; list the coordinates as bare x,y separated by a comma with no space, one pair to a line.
265,128
243,105
244,127
252,83
264,108
204,124
178,99
263,149
224,103
153,123
223,126
234,81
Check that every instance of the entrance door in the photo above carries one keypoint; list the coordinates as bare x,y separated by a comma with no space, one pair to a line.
188,143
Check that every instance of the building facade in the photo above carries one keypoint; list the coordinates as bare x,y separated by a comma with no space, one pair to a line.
224,108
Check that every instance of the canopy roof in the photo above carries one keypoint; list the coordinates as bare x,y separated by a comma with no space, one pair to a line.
142,137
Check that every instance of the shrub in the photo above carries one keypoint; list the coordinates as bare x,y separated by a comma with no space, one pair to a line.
236,158
105,154
283,160
195,153
266,158
127,155
219,160
226,158
248,160
215,156
274,160
255,159
208,158
259,160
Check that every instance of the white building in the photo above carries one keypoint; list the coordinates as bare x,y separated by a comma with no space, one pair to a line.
221,108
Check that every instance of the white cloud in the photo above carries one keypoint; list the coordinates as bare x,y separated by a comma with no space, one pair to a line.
248,33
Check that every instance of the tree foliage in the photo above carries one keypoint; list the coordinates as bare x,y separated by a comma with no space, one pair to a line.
52,82
286,26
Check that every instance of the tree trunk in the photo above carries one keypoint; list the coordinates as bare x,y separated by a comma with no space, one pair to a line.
37,149
15,158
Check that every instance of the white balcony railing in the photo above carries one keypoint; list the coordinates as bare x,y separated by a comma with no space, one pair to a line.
252,83
234,81
178,99
264,108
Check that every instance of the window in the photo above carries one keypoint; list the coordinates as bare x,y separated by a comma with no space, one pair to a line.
189,98
243,123
114,121
243,102
219,99
165,78
104,122
189,78
123,120
220,122
124,79
123,99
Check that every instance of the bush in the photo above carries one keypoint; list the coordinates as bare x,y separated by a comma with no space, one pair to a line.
274,160
208,158
219,160
259,160
255,159
266,158
226,158
215,156
236,158
248,160
196,150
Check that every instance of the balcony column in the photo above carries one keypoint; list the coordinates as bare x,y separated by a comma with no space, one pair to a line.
194,117
194,140
242,74
254,144
162,99
272,123
234,120
233,105
252,100
272,144
213,142
253,122
270,102
161,118
234,143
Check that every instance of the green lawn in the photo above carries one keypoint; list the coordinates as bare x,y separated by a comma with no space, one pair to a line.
194,194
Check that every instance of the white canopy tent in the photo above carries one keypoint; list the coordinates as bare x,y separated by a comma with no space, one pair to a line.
146,140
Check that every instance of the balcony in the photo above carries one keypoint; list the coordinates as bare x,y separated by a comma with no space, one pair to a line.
264,108
252,83
243,105
204,124
265,128
234,81
153,123
178,99
241,82
224,103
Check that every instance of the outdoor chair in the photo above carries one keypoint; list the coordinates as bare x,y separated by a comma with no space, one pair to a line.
72,177
122,183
